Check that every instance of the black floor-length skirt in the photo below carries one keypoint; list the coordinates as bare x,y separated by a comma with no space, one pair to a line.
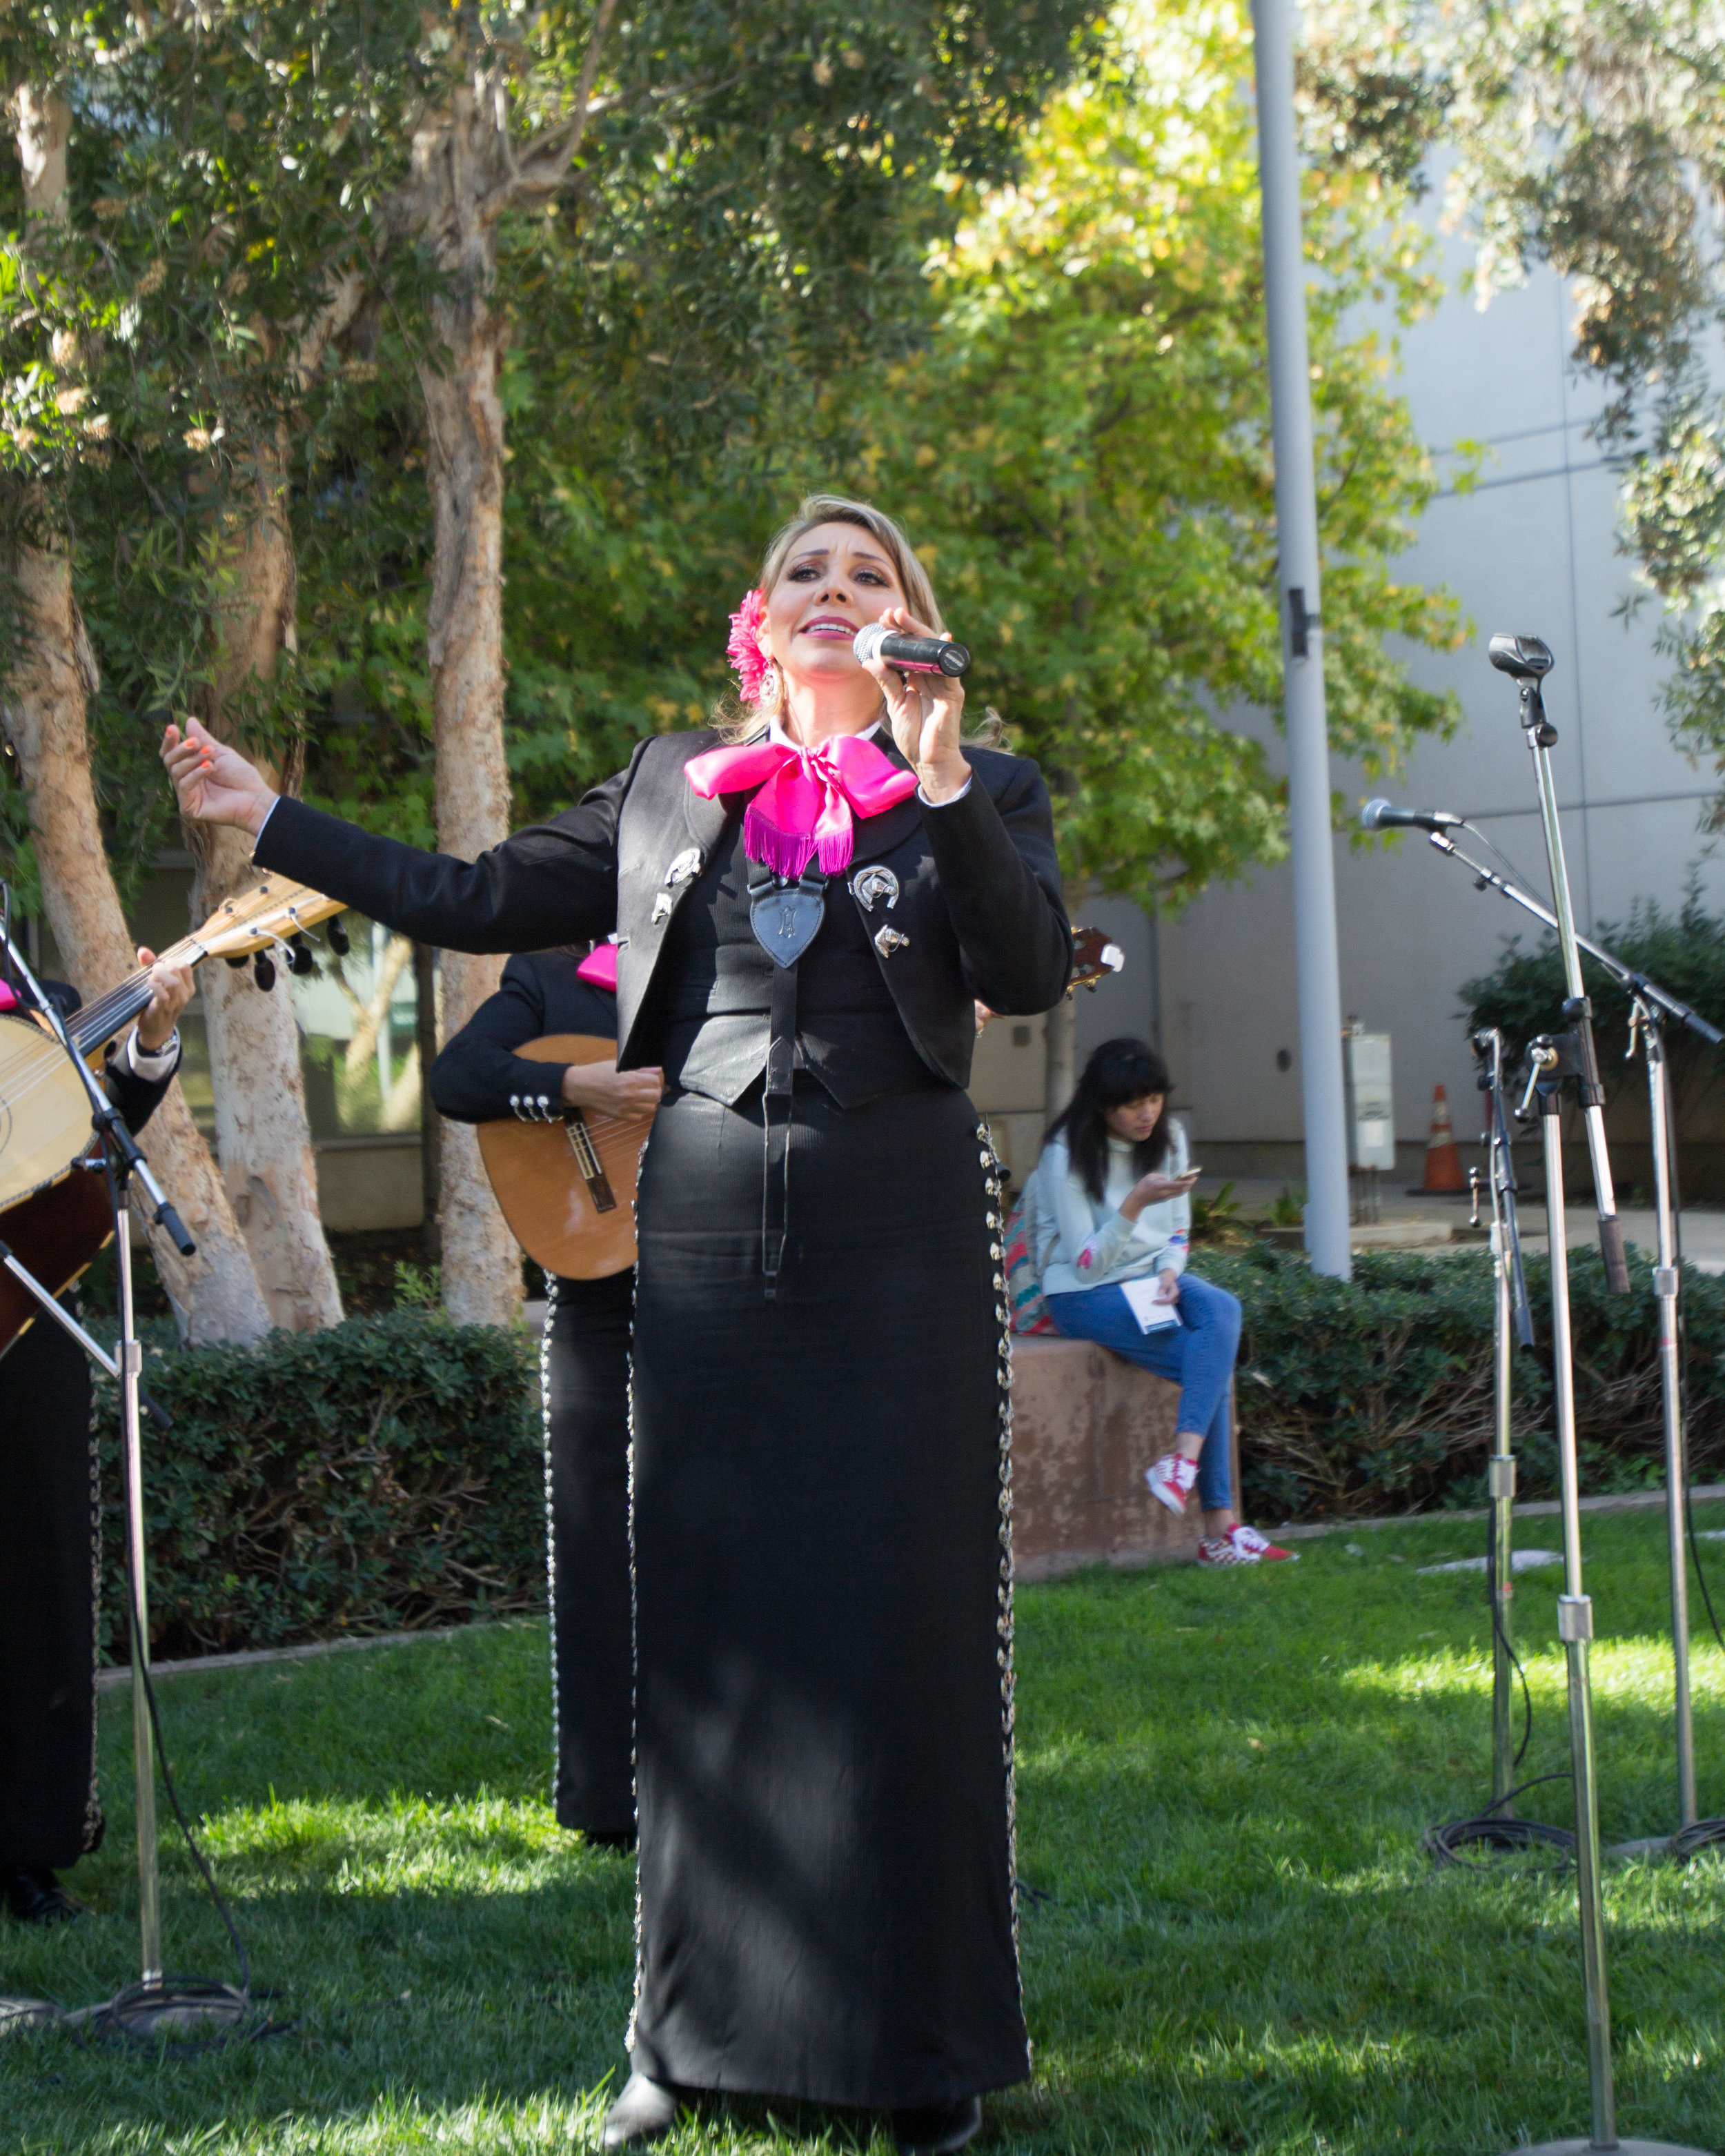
821,1518
584,1380
49,1556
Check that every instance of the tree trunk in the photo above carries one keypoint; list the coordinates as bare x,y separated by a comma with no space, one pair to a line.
263,1135
215,1292
369,1017
481,1266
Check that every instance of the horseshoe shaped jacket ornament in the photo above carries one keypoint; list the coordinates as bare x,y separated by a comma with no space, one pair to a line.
869,884
687,865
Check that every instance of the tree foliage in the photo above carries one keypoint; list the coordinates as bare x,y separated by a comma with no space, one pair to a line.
1682,950
1083,448
752,178
882,246
1075,428
1592,138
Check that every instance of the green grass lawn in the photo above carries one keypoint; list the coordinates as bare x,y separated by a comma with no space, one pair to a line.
1233,1943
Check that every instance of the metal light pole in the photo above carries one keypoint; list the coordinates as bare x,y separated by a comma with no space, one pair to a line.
1319,974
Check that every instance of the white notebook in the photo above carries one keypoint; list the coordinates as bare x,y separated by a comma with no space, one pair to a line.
1144,1297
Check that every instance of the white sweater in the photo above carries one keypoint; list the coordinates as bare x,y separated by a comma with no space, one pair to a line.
1080,1244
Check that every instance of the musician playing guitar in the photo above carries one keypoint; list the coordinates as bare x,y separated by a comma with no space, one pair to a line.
50,1813
584,1375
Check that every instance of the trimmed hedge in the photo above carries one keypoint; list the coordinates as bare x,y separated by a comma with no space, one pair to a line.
1375,1396
389,1473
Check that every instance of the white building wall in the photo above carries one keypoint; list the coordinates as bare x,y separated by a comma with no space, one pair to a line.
1532,548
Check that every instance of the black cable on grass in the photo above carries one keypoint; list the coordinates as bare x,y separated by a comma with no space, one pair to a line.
1502,1637
1699,1834
1501,1837
1505,1837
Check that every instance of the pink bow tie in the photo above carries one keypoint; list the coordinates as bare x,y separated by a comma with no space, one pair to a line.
805,806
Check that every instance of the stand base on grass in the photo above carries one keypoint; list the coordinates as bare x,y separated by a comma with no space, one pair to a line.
191,2007
1585,2148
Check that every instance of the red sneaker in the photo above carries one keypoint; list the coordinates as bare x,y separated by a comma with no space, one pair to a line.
1173,1479
1243,1545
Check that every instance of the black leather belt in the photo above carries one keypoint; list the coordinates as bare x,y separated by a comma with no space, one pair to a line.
786,917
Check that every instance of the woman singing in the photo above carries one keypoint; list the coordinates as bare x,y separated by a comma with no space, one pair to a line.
807,907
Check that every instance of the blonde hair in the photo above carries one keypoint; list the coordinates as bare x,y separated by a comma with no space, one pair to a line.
736,721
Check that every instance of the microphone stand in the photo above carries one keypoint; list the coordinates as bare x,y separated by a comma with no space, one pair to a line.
1497,1832
1511,1321
1551,1060
152,2005
1652,1008
1541,736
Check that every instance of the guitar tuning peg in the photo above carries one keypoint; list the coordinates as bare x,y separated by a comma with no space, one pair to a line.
264,971
337,933
299,959
237,963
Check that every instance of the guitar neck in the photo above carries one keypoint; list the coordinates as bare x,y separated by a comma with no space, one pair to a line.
99,1021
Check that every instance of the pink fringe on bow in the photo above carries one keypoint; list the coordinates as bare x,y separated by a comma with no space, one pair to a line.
744,650
808,797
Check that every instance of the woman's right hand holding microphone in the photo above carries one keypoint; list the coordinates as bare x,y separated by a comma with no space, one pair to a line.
214,783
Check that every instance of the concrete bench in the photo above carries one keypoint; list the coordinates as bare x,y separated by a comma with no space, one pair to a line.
1085,1426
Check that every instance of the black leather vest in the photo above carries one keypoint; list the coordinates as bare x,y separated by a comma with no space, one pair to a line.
706,1021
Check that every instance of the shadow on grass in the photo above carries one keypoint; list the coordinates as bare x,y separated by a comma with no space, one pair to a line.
1222,1787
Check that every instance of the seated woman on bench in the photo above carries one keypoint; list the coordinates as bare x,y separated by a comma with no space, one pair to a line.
1111,1217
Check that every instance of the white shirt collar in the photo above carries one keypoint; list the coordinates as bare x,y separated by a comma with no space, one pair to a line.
775,732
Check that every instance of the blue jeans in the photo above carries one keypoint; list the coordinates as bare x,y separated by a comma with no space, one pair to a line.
1197,1352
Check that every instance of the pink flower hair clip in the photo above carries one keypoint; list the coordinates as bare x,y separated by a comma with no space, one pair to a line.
744,650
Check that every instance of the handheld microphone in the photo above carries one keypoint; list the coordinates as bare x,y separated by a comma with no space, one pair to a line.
911,654
1382,815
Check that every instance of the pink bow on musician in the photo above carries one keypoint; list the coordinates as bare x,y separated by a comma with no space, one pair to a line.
808,800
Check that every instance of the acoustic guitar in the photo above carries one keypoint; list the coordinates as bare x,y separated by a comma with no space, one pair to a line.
567,1188
54,1213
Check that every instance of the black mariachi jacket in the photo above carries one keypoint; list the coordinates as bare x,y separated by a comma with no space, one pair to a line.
978,910
478,1074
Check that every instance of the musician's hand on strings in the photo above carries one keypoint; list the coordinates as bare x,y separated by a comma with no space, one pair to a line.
926,710
170,980
214,783
604,1090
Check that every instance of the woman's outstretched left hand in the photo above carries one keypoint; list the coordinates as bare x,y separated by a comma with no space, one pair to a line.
214,783
927,711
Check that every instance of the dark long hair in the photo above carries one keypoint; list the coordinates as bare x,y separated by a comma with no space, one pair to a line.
1119,1071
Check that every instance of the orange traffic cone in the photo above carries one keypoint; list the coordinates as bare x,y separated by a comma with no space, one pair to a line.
1443,1160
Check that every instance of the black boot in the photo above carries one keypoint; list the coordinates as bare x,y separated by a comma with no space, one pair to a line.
646,2111
35,1897
937,2129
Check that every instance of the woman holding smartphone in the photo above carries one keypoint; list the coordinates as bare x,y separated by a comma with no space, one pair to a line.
1111,1212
